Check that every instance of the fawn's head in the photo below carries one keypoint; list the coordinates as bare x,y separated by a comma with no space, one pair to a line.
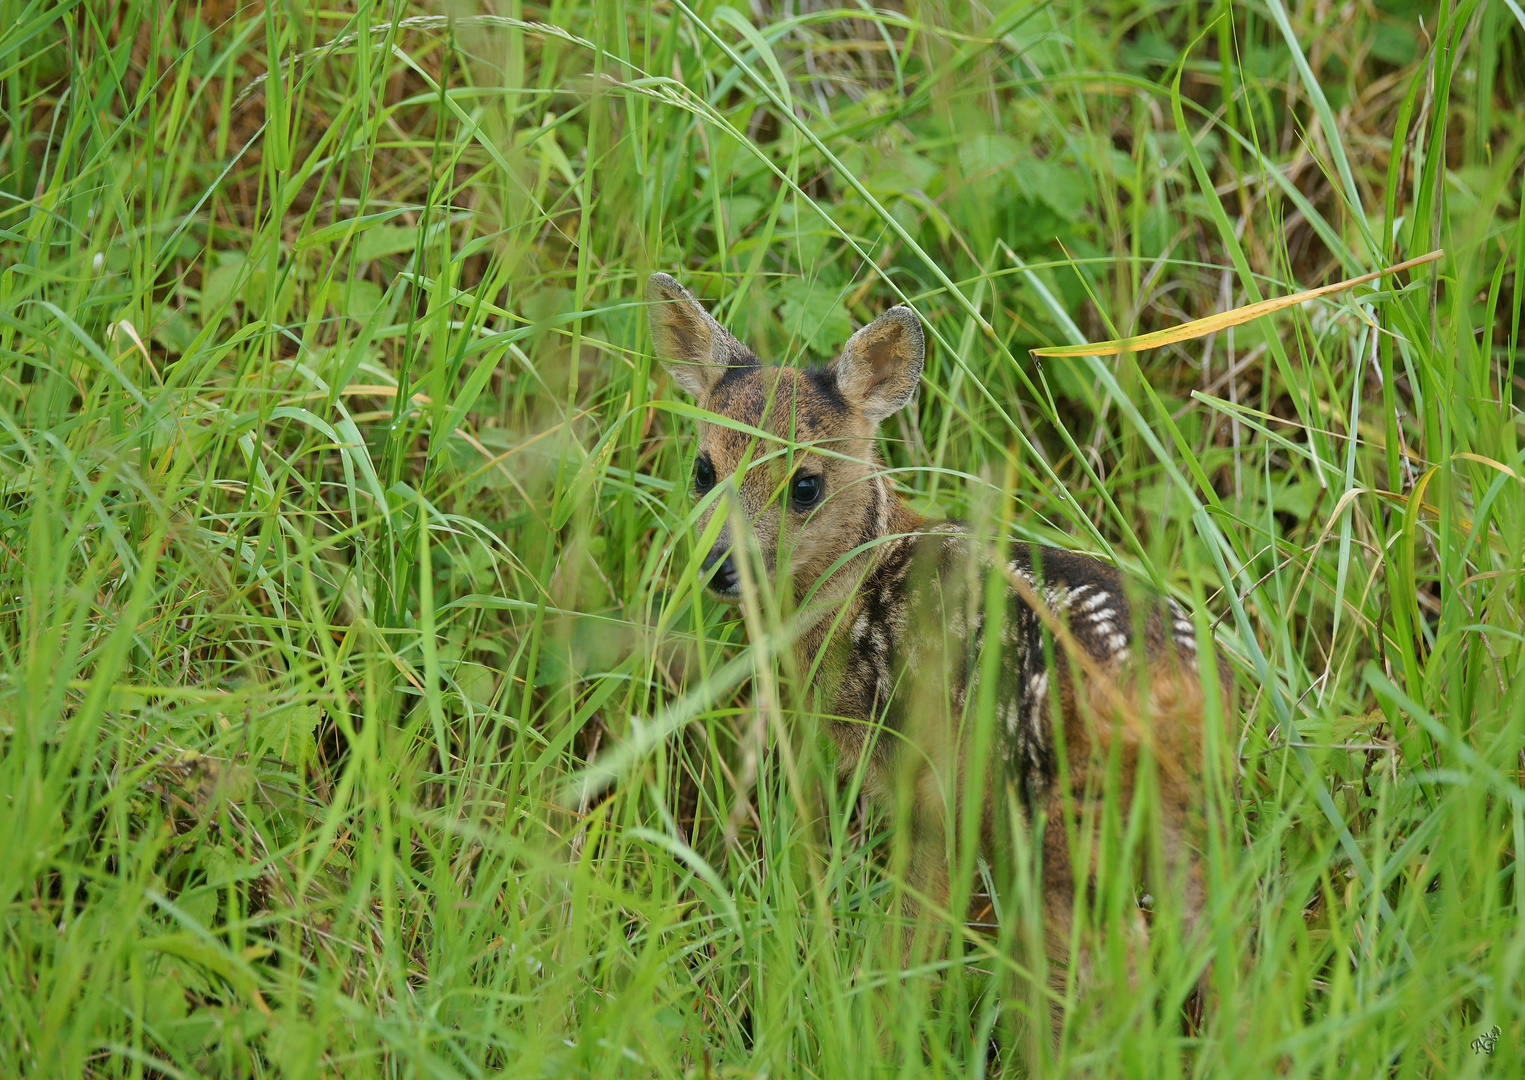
811,491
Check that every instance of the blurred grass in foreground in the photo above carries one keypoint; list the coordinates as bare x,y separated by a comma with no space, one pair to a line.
344,521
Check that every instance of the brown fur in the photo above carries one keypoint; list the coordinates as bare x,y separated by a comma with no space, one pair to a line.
900,622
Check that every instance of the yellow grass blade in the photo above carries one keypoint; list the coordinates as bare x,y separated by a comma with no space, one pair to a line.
1224,319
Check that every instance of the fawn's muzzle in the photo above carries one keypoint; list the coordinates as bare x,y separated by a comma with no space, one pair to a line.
719,559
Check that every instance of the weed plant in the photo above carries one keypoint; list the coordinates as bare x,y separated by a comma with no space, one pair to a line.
360,714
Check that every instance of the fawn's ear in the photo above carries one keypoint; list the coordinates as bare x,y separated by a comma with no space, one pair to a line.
881,364
695,349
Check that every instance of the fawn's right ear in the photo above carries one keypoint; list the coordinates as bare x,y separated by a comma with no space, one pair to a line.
695,349
880,366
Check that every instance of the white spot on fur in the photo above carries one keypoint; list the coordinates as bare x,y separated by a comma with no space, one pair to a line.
1061,599
1185,629
1102,622
1011,718
1094,602
1020,571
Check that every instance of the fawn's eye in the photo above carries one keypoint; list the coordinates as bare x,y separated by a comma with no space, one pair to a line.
704,475
805,490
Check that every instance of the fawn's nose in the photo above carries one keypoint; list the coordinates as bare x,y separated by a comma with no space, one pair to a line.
725,578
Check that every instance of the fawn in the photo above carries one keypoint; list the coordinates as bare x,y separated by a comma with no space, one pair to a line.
902,612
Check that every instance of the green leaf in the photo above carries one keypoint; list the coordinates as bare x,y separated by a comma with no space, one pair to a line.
988,152
218,289
813,314
741,211
1050,183
220,864
386,240
338,230
175,334
360,298
287,733
1394,42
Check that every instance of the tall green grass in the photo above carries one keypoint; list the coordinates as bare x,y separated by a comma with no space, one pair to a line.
359,715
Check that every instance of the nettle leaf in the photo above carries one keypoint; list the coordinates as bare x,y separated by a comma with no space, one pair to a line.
220,864
904,171
360,298
218,289
385,240
287,733
1295,497
350,226
741,212
476,682
988,153
619,325
1050,183
175,333
545,304
1148,49
1394,43
813,313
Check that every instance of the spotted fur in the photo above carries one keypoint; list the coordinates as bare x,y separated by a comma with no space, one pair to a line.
1088,660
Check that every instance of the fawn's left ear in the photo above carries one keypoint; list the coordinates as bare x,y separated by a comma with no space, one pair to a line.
881,364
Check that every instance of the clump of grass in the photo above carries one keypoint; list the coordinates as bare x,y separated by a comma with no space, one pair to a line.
344,525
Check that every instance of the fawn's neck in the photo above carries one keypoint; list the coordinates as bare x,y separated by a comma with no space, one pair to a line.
842,604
